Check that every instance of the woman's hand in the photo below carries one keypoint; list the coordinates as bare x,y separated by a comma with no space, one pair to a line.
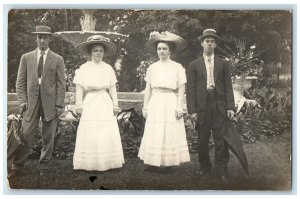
178,113
116,110
145,113
78,111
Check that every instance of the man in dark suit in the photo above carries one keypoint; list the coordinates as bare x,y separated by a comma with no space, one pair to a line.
210,102
41,90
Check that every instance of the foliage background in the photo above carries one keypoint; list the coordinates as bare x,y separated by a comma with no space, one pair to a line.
269,30
256,39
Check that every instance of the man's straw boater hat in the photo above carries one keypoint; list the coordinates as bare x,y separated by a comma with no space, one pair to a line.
209,33
166,36
44,30
110,47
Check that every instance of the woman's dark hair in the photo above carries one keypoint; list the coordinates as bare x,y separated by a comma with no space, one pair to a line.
171,45
91,46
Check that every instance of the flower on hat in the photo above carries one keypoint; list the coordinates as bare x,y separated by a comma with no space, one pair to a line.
166,36
153,34
166,33
98,38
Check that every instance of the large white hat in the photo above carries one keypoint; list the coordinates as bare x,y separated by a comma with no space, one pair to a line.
166,36
110,47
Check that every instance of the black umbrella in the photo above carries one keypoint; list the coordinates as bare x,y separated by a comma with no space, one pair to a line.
15,137
233,139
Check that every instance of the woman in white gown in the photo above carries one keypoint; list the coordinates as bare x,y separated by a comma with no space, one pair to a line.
98,143
164,142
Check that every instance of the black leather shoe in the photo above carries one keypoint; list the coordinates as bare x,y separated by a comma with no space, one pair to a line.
204,172
224,179
44,172
221,179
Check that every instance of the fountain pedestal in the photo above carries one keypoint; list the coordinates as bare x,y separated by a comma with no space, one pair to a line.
238,90
88,25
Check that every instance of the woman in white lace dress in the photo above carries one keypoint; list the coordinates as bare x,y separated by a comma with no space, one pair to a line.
164,142
98,143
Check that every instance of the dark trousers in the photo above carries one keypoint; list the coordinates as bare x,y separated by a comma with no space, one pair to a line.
29,129
213,122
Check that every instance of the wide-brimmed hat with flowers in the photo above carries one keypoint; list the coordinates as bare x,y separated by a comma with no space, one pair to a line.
44,30
166,36
209,33
110,47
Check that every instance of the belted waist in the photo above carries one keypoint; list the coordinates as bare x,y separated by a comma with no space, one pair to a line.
92,90
163,90
211,94
211,90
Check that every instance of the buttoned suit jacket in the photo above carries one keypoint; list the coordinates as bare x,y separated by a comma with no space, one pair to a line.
197,87
52,88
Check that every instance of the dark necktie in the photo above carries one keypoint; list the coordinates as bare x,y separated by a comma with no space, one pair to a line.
41,63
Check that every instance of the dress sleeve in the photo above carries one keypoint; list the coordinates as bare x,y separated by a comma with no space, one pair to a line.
78,78
181,76
113,79
148,74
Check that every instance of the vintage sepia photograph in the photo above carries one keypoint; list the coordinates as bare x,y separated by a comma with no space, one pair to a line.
149,99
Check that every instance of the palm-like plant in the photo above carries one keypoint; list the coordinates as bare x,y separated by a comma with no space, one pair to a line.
243,58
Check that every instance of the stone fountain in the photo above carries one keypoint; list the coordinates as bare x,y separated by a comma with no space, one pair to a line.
88,25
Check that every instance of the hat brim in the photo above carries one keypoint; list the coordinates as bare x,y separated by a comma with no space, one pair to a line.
43,33
110,48
202,37
178,41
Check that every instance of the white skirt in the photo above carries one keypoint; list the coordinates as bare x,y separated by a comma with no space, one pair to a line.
98,142
164,142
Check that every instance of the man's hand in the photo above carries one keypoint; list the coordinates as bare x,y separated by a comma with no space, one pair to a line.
194,117
59,111
24,106
230,114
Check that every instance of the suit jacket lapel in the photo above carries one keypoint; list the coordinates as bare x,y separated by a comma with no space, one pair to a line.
34,63
202,67
216,68
47,63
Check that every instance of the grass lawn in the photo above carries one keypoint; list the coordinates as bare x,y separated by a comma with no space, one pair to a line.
269,163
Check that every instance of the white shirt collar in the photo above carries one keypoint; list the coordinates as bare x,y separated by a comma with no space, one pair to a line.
206,57
46,51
